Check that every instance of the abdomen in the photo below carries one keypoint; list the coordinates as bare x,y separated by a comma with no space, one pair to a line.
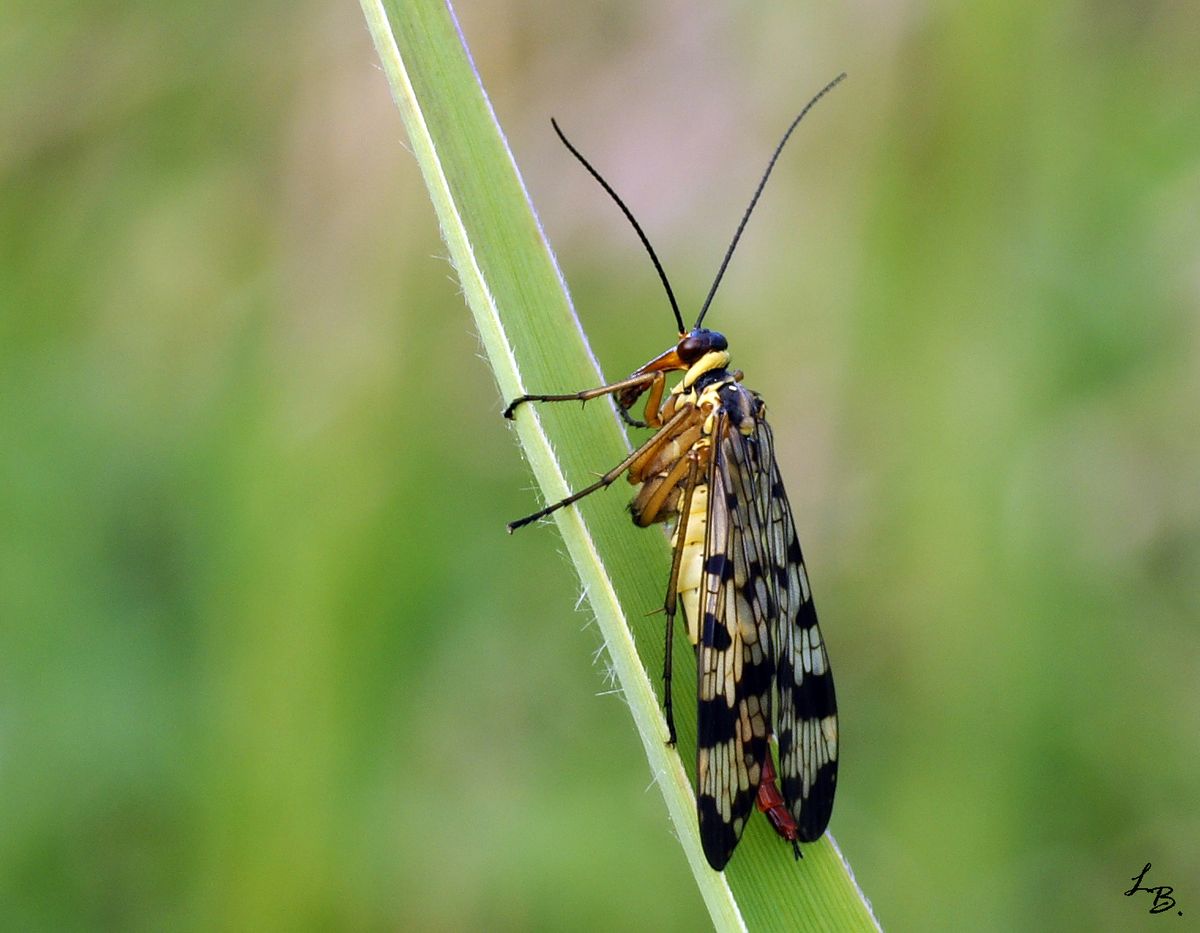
691,565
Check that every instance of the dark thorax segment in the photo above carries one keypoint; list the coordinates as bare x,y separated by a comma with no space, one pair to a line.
741,406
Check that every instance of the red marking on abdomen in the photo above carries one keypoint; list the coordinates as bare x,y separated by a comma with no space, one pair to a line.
771,803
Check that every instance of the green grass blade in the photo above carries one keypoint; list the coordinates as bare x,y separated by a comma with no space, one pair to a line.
534,343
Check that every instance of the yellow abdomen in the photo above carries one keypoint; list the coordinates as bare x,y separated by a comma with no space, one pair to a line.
691,565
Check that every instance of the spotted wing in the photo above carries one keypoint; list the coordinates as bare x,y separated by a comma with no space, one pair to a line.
736,663
805,722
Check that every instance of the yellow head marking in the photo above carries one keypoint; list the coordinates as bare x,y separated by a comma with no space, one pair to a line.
713,359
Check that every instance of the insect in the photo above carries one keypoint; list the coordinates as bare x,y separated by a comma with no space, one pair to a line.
736,568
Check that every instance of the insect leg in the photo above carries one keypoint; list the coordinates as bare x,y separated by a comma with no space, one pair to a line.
626,398
629,419
671,602
661,437
653,412
633,382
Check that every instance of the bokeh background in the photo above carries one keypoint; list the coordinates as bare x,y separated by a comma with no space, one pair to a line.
268,659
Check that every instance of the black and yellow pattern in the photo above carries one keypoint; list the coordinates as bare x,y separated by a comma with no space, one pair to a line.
739,573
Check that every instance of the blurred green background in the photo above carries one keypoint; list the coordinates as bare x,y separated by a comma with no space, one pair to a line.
268,659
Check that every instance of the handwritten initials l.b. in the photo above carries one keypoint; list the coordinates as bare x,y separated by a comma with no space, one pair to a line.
1162,893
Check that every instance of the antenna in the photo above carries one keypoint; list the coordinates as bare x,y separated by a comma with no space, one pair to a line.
758,191
629,215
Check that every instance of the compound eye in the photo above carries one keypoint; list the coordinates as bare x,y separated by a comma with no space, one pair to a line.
692,347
